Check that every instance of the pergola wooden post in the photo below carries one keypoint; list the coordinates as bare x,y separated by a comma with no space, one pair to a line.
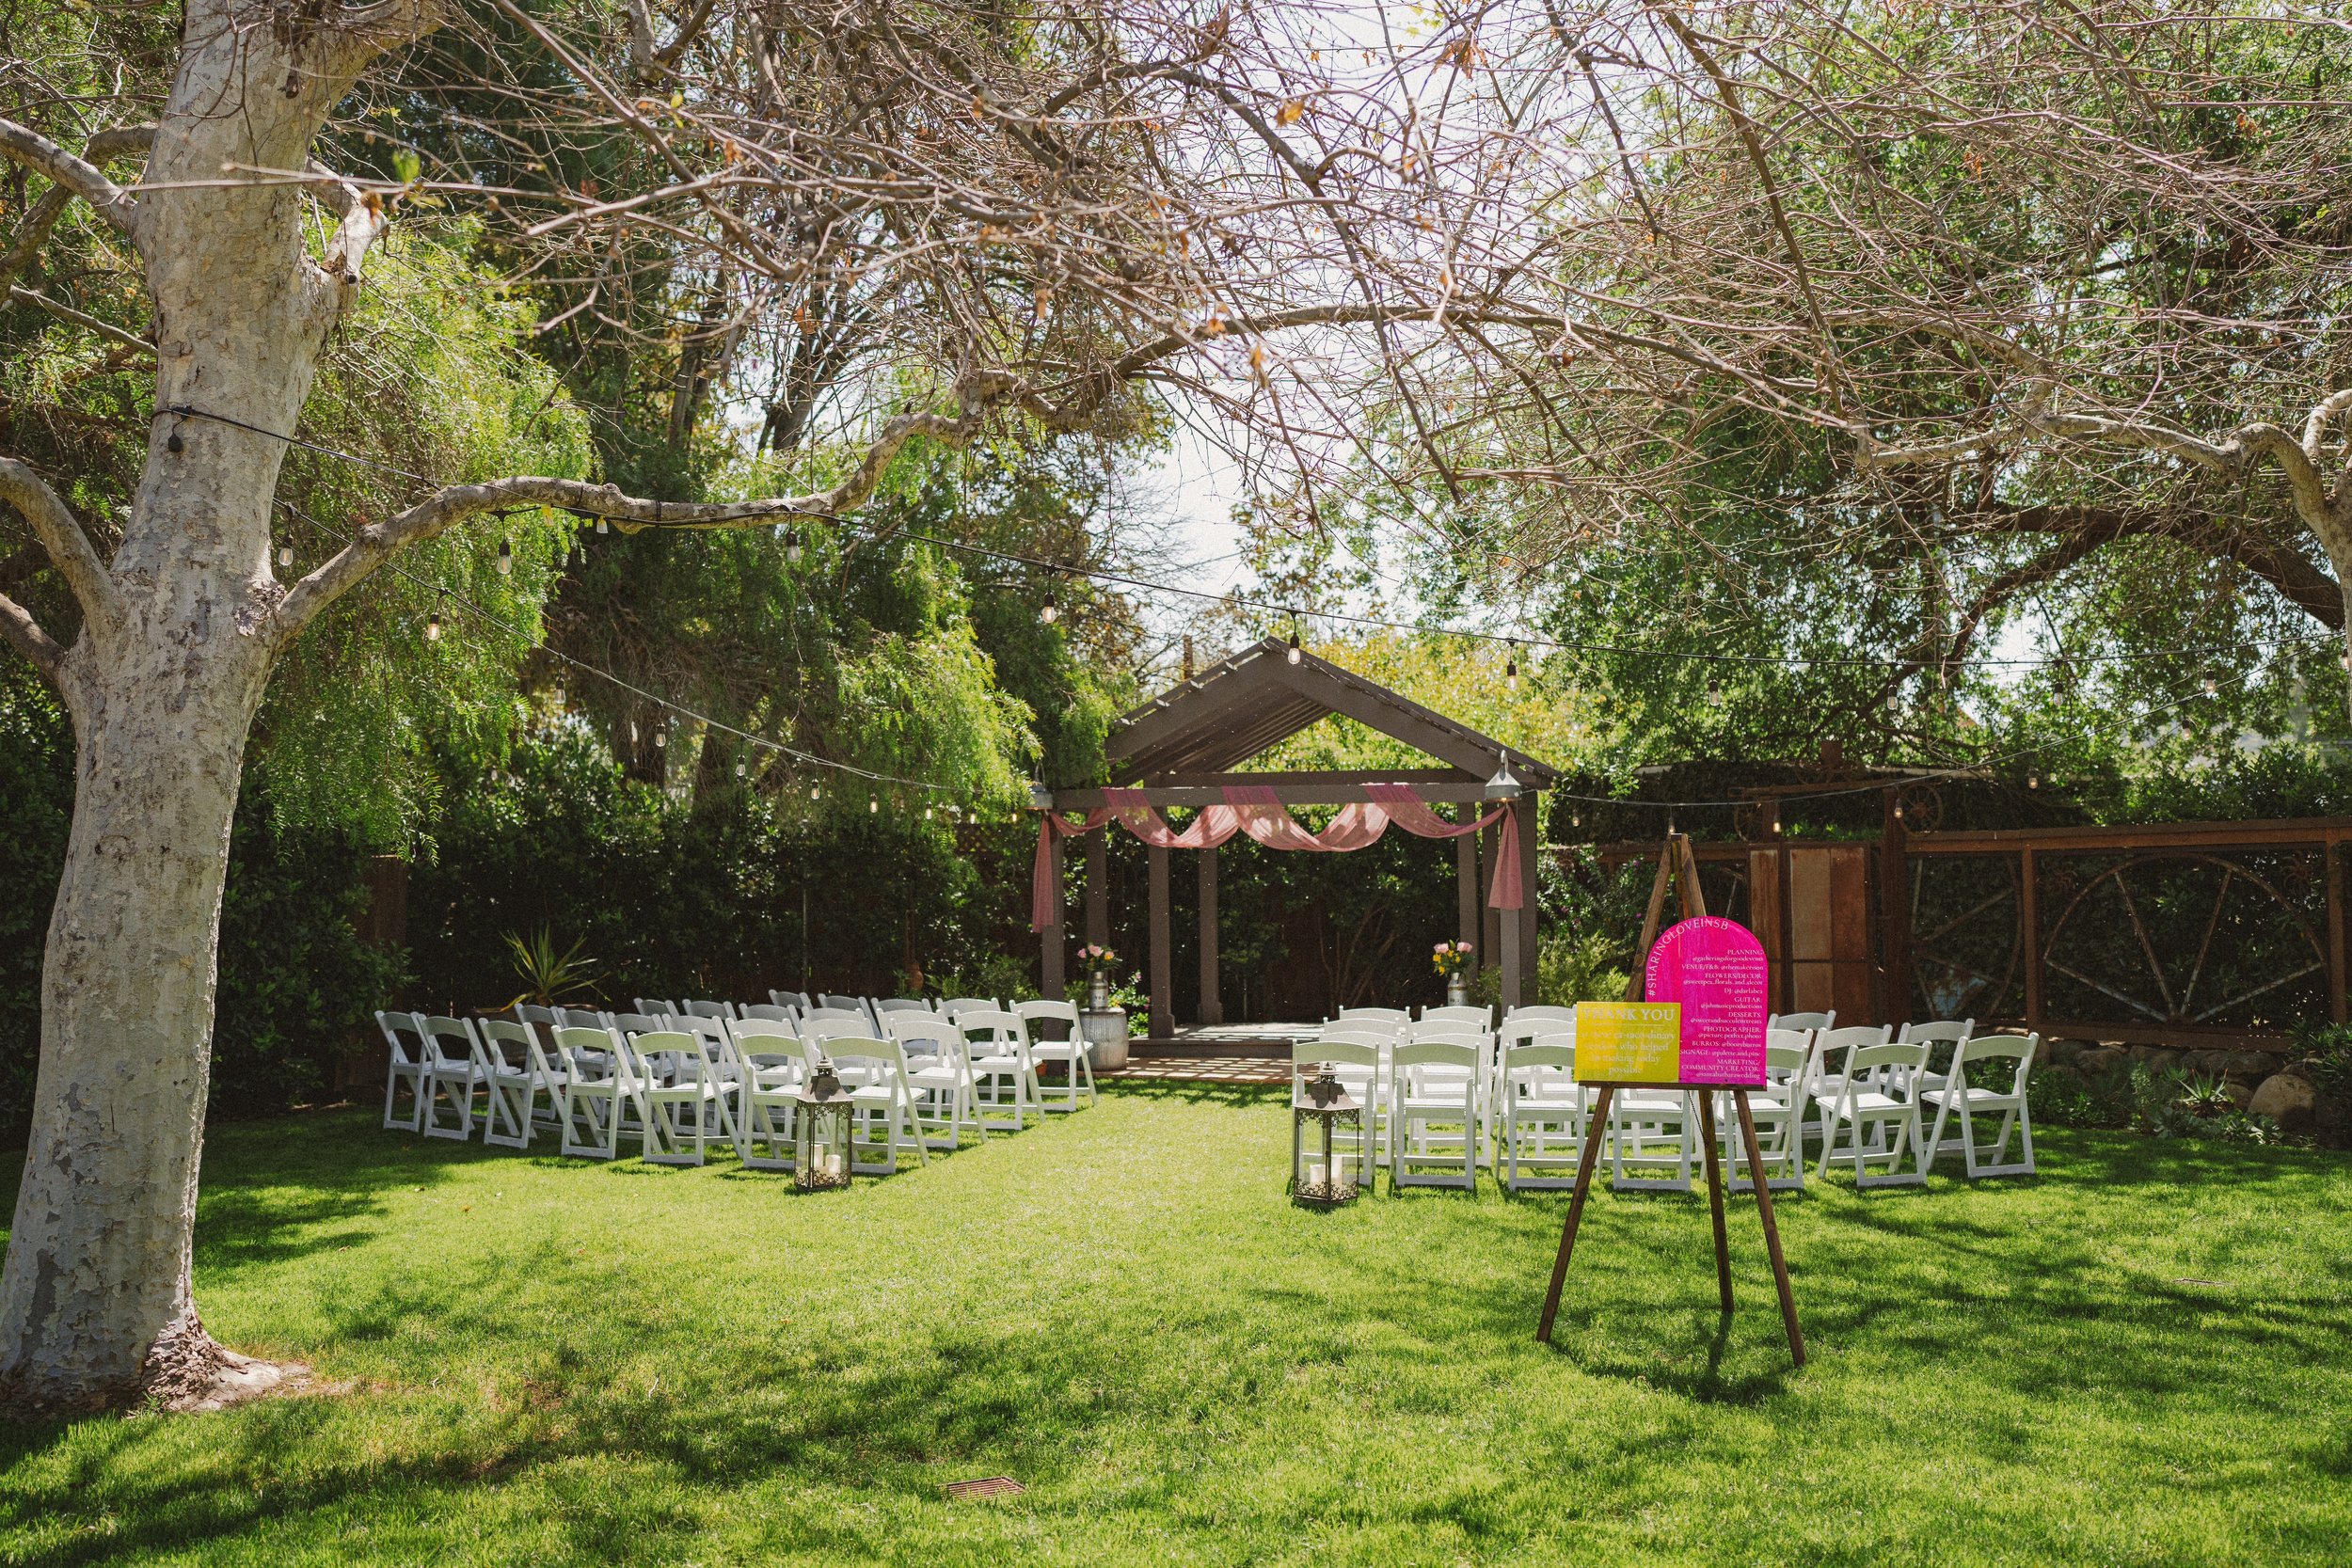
1212,1005
1051,943
1180,750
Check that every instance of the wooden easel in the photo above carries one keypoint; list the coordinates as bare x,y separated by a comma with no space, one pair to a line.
1676,863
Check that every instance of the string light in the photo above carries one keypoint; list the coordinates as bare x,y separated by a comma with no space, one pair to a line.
1511,670
873,804
433,624
816,792
1049,611
506,557
603,527
1295,654
285,555
792,546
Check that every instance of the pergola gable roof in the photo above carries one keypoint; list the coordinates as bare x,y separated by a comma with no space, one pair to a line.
1240,706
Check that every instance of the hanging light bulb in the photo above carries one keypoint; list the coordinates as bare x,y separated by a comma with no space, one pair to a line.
815,792
1049,611
433,625
1295,653
738,769
603,527
506,557
926,814
1511,670
2033,781
662,735
792,546
285,555
559,696
873,804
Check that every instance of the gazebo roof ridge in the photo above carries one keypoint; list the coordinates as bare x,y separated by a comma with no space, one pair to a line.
1257,697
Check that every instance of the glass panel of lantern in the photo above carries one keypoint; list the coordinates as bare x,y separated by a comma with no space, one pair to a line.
821,1138
1326,1141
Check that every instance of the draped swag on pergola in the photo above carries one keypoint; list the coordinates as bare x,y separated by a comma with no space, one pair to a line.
1179,750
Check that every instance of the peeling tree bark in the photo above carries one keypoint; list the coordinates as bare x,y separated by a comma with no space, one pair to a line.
178,637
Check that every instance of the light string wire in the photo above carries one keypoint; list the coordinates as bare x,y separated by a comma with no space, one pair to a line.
460,599
1124,580
1827,792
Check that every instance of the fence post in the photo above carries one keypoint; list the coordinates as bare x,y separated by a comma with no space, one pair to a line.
2335,929
1895,907
2029,934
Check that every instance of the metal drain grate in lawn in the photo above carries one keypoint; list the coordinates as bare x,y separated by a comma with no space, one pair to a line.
990,1487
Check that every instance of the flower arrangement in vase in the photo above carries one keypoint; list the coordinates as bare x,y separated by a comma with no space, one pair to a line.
1095,960
1453,961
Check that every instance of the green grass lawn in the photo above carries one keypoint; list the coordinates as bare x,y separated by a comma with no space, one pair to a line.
2143,1356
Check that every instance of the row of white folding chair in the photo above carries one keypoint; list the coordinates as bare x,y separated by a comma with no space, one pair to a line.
1422,1107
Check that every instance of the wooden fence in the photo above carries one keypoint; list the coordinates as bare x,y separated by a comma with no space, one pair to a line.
2183,934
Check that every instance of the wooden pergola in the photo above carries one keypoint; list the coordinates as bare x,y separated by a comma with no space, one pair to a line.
1182,748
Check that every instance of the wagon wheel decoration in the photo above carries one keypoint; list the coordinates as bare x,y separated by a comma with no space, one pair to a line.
1922,805
1748,820
2145,981
1969,959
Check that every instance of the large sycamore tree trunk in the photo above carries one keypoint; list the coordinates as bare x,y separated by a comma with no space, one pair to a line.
180,633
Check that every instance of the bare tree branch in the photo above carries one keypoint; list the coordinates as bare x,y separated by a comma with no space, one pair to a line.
27,637
429,518
69,547
22,145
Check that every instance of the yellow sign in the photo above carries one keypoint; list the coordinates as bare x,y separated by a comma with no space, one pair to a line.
1628,1043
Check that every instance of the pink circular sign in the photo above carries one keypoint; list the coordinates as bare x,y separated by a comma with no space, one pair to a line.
1715,968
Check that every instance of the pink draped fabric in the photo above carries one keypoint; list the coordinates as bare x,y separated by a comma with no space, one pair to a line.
1258,811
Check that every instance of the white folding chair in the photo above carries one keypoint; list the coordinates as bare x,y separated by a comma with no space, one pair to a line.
1371,1015
1433,1113
1380,1037
939,1076
770,1065
1651,1133
1070,1051
453,1071
1358,1069
1878,1090
1777,1110
653,1006
709,1009
789,999
1943,1040
1803,1021
595,1091
681,1110
1543,1115
2007,1097
875,1073
1823,1075
1522,1027
519,1073
955,1006
888,1005
767,1012
405,1067
997,1043
1460,1018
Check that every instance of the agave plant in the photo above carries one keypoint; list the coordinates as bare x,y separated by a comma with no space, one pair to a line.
549,979
2207,1099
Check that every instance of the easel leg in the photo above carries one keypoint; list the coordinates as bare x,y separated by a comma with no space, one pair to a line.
1715,1196
1772,1231
1593,1132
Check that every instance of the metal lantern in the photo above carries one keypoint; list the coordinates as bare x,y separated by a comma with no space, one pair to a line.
820,1139
1323,1170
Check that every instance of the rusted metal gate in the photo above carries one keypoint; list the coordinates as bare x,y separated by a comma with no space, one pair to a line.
2221,934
